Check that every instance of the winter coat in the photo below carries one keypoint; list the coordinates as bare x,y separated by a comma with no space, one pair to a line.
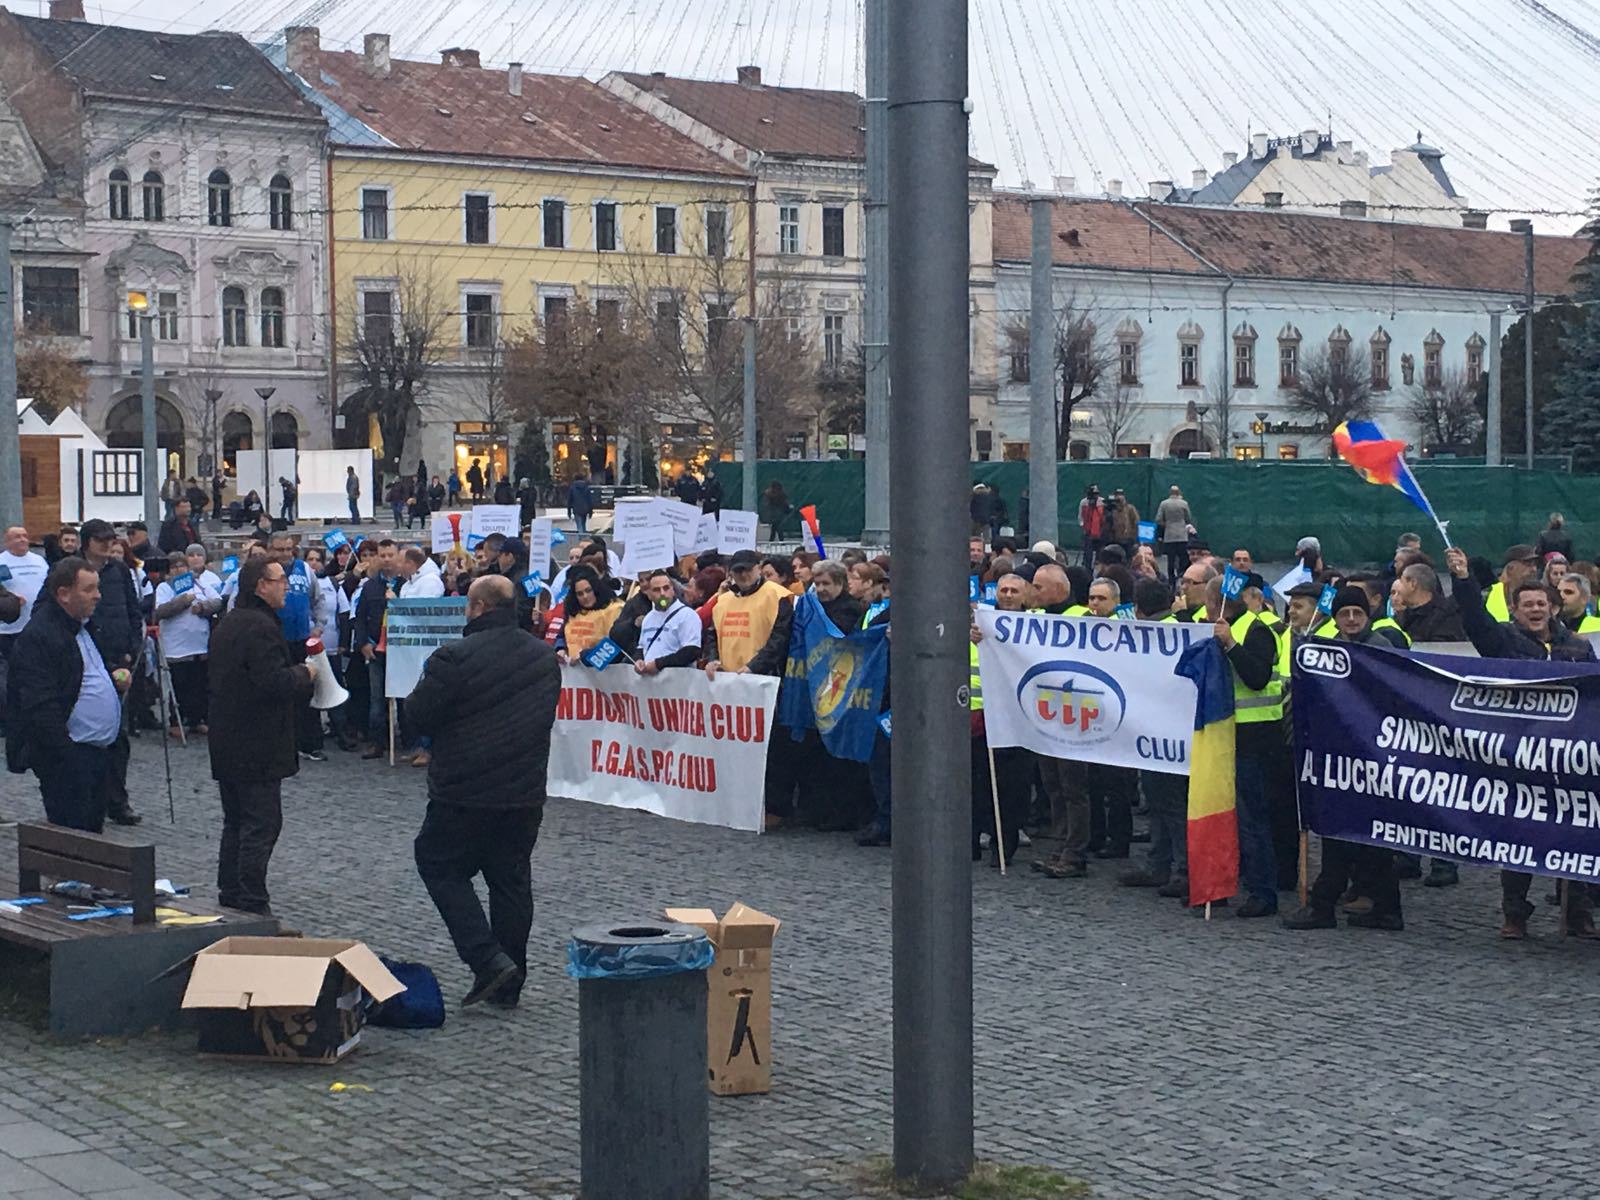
580,498
1555,540
255,688
488,701
1435,621
42,683
177,535
1124,522
117,625
1496,639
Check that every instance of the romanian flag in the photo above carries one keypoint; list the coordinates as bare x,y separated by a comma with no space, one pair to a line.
1213,829
1378,459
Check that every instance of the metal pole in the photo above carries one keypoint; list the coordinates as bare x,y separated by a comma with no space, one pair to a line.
875,307
10,445
749,447
1491,429
1043,517
154,476
928,337
1527,345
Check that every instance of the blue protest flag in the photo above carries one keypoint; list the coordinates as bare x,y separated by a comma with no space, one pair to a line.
974,589
601,655
1325,601
182,584
1233,581
5,573
1125,612
991,592
885,724
531,583
557,538
474,540
834,682
1147,532
230,566
335,538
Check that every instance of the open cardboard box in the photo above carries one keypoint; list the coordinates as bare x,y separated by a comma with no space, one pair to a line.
285,999
739,997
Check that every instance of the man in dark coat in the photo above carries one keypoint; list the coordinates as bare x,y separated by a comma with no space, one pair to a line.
178,532
255,690
1426,616
489,702
117,627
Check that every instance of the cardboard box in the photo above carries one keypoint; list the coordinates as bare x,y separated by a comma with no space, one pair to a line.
285,999
739,997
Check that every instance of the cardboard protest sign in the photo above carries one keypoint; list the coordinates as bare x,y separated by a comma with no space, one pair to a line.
647,550
683,519
413,630
541,536
736,530
632,517
447,531
705,534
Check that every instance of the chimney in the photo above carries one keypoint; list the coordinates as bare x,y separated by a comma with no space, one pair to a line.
1229,159
456,56
1201,177
1272,199
1113,187
66,10
375,54
1344,150
1066,184
1474,219
1309,139
1522,225
1160,189
1352,208
302,45
1258,145
514,79
750,76
1361,159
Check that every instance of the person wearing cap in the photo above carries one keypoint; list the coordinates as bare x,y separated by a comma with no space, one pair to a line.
1308,550
1173,519
1521,562
117,627
1200,552
751,622
984,511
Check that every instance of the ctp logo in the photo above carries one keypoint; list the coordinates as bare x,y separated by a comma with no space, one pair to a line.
1072,703
1323,658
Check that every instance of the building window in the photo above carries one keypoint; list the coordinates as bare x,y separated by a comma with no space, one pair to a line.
607,314
1133,449
832,232
668,326
554,221
116,472
120,196
1189,364
717,232
475,218
1288,450
377,317
50,299
555,317
167,316
235,318
1432,367
1244,363
219,198
717,318
788,229
1128,362
833,339
1474,360
1019,361
375,214
605,225
792,329
272,317
280,198
666,229
1288,364
480,320
154,195
1380,368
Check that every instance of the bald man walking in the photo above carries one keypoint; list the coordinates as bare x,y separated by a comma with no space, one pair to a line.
488,702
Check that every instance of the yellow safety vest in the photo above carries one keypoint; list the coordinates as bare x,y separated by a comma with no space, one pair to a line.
1391,623
1328,629
1252,707
1588,625
744,623
1270,619
1494,601
975,686
1072,610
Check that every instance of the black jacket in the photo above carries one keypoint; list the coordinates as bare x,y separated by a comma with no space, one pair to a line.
176,536
255,687
1495,639
1555,541
42,683
488,701
1435,621
117,625
367,626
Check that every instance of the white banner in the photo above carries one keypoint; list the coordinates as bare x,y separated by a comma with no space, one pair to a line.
675,744
414,629
1088,688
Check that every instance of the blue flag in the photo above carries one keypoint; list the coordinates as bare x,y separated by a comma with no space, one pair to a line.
230,566
182,584
1147,532
1325,601
334,539
1233,581
601,655
834,682
531,583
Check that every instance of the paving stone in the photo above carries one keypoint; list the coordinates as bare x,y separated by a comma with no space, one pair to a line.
33,1139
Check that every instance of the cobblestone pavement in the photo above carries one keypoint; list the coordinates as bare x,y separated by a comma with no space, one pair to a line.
1119,1039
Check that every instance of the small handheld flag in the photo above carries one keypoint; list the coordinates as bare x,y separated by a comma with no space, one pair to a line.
602,654
230,566
182,584
991,593
531,583
1233,581
974,589
887,725
808,514
1378,459
1147,532
1325,601
1125,612
474,540
335,538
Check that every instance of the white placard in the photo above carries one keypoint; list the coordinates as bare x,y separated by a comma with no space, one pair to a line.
705,533
684,520
647,550
631,519
496,518
540,536
675,744
737,531
414,629
446,528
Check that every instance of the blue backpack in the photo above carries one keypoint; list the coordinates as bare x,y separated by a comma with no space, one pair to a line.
420,1006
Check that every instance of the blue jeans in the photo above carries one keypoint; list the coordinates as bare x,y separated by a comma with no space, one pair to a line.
581,519
1258,864
355,511
878,775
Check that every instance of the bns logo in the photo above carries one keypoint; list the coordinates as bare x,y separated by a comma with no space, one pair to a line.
1323,659
1072,703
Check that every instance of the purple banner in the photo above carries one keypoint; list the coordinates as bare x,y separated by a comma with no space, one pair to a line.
1492,762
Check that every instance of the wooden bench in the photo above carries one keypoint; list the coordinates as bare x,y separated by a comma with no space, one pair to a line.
103,972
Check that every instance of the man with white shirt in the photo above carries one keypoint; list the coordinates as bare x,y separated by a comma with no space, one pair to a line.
66,705
420,578
669,634
184,605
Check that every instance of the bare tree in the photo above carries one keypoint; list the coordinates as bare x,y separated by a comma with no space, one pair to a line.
393,356
1216,423
1081,363
1333,387
1446,414
52,377
1115,412
202,392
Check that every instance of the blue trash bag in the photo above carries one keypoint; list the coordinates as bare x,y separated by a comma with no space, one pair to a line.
420,1006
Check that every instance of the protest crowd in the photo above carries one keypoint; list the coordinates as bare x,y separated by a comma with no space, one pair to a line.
106,635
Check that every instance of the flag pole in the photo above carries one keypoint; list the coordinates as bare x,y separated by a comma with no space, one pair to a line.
994,788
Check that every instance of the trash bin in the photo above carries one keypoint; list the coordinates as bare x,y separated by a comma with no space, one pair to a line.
643,1105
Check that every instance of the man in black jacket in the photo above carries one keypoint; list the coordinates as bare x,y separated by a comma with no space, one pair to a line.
117,627
63,702
489,702
255,693
178,533
1425,614
371,605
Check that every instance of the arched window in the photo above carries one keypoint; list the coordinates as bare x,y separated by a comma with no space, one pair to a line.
285,431
125,427
219,198
237,434
119,197
235,318
279,196
272,317
155,197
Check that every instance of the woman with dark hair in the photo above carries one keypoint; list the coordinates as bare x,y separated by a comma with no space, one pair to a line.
587,614
1554,538
803,561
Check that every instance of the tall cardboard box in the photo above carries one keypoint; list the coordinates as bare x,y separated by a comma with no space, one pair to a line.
739,997
285,999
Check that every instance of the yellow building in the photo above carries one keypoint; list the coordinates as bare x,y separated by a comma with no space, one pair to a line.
472,203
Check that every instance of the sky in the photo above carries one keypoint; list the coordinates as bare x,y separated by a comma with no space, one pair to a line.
1098,90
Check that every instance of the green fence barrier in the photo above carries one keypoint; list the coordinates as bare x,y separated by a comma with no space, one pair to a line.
1264,506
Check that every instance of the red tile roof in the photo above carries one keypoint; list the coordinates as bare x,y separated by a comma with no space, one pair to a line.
794,122
470,111
1248,243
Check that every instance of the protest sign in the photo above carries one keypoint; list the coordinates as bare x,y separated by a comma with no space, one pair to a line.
505,519
1325,601
736,530
682,518
705,533
676,744
474,540
182,584
541,536
1089,689
1494,762
532,584
447,529
647,550
335,538
414,629
632,516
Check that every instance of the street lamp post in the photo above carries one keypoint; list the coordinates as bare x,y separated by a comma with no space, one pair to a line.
266,447
1261,429
139,305
209,465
